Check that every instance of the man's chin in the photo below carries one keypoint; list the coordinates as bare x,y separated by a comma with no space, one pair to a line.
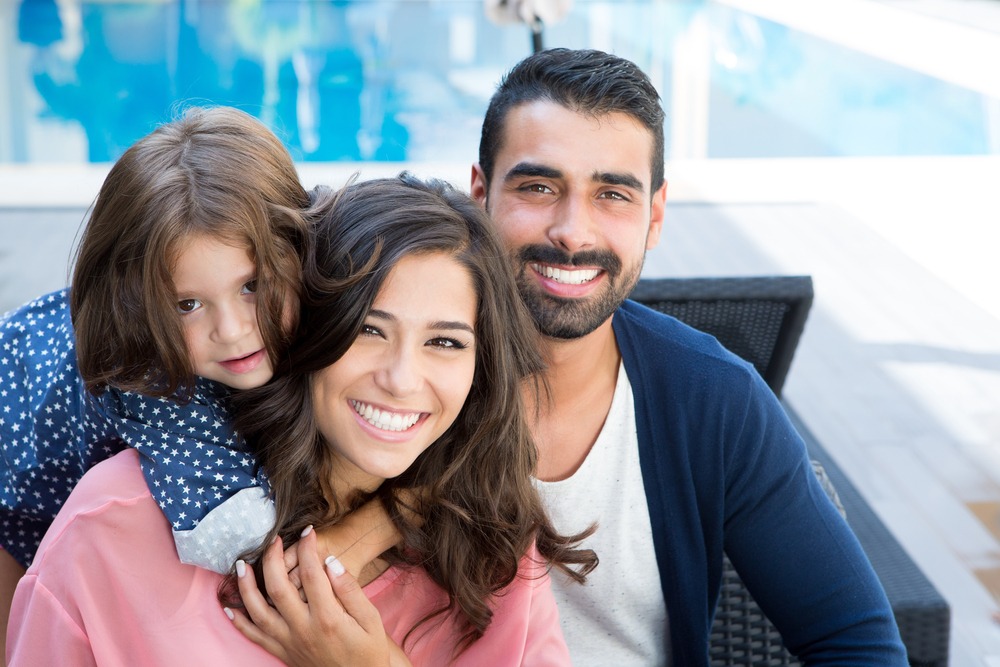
563,327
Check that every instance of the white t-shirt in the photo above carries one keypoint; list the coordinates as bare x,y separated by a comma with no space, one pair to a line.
619,616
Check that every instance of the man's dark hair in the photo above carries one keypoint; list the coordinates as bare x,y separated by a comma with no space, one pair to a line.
589,82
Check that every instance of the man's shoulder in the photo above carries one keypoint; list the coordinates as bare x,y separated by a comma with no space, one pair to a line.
661,352
648,330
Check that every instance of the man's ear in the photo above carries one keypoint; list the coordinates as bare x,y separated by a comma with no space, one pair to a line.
656,213
477,186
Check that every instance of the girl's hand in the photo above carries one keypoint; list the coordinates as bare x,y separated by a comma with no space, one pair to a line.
335,626
356,540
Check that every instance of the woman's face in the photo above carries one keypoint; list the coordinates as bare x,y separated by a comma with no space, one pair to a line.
407,375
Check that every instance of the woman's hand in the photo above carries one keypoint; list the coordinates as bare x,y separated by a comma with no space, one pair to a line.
335,625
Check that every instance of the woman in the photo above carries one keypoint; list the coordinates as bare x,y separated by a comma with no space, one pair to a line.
404,375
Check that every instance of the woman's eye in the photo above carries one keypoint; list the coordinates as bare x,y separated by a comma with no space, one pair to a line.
447,343
369,330
185,306
249,287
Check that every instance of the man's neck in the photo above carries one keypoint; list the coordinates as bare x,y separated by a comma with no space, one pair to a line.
580,378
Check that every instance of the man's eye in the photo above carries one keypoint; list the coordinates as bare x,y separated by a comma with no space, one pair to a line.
536,187
185,306
250,287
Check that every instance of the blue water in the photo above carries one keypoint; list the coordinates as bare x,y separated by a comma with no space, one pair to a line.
410,79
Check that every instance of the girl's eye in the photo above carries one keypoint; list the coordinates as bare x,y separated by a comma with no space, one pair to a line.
249,287
447,343
185,306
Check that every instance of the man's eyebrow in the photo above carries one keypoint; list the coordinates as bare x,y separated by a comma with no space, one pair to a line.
530,169
624,180
438,325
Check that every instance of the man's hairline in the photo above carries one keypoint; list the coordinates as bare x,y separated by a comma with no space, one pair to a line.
488,179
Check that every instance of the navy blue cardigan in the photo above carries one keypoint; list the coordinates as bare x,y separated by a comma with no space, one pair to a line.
724,469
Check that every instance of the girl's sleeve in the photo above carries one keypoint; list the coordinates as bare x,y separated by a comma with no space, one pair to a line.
199,473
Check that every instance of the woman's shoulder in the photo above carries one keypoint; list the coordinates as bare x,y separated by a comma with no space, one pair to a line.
110,499
116,479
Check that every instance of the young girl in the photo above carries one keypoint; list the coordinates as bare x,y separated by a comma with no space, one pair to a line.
405,372
184,284
184,287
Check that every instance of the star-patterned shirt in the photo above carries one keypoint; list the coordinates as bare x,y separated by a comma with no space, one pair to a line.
52,431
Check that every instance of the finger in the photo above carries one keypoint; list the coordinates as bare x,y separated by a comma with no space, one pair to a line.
293,574
256,635
291,559
315,584
353,598
263,616
284,596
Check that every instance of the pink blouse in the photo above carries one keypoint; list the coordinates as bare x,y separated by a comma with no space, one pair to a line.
106,588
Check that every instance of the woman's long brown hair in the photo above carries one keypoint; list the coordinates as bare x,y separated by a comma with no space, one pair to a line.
478,510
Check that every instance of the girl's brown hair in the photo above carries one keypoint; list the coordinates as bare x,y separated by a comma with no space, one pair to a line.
478,510
214,171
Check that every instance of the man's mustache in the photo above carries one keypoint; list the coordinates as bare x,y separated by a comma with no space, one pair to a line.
541,254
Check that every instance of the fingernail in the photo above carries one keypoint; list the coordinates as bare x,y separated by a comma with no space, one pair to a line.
335,566
241,568
229,613
308,529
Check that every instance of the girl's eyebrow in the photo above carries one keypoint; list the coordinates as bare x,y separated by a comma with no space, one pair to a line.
438,325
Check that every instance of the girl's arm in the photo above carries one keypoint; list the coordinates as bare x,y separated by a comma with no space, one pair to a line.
356,540
198,472
207,486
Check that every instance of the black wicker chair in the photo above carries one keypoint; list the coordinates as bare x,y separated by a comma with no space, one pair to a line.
761,320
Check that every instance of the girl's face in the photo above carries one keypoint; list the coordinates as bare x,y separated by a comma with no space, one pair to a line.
407,375
216,300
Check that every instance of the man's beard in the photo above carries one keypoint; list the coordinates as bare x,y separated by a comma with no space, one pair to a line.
564,318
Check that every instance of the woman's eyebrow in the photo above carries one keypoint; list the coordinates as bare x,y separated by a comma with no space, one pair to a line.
448,324
438,325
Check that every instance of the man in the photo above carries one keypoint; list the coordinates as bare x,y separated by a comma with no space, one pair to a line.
647,423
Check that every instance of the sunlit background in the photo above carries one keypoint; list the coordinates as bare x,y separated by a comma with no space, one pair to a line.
390,80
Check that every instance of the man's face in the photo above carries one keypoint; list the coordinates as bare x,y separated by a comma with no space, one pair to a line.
571,197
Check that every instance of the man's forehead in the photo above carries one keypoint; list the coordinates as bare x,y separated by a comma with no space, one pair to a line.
544,138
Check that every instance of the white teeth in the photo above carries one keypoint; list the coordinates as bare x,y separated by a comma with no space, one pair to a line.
577,277
385,420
